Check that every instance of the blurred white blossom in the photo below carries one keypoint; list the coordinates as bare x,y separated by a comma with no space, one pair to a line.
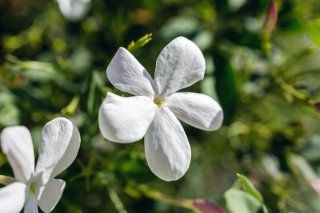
74,10
153,112
37,186
236,4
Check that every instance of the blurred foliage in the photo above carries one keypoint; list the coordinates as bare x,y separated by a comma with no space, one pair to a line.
269,88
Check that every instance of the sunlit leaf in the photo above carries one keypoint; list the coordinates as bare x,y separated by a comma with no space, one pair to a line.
314,31
248,186
240,202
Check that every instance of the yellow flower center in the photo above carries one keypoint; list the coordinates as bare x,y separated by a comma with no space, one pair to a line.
32,189
158,101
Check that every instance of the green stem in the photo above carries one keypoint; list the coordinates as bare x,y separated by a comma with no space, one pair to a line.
72,106
308,72
155,195
289,88
116,200
281,79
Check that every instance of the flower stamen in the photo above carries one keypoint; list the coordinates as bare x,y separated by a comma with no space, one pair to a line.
158,101
32,189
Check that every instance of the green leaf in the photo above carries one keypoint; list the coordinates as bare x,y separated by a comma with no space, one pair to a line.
91,94
240,202
314,31
9,113
225,78
248,186
181,25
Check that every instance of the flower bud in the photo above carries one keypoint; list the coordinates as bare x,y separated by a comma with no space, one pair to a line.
203,206
271,18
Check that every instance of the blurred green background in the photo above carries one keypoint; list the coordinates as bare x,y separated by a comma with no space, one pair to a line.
268,84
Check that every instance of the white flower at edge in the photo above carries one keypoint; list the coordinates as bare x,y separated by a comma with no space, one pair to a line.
37,186
153,112
74,10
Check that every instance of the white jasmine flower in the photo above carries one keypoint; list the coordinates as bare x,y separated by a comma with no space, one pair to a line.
74,10
153,112
37,186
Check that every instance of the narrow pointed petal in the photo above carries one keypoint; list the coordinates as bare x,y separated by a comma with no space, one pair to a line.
125,120
60,142
51,195
16,143
128,75
31,205
198,110
179,65
12,197
166,145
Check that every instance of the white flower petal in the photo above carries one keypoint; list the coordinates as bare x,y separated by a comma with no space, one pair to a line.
60,142
16,143
51,194
74,10
128,75
166,145
12,197
31,205
198,110
179,65
70,154
125,120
